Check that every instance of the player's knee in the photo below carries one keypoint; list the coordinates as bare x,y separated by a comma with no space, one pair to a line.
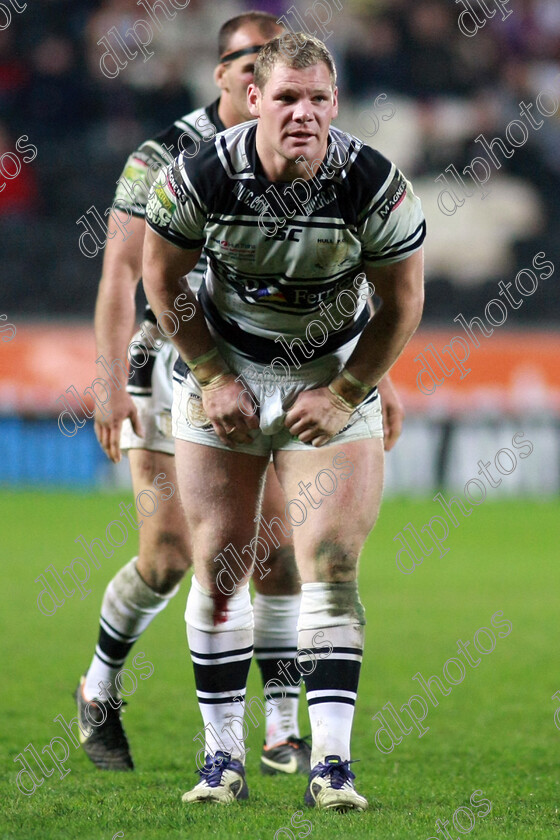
283,564
283,576
335,563
167,563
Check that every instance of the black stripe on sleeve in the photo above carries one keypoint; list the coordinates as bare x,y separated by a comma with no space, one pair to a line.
176,238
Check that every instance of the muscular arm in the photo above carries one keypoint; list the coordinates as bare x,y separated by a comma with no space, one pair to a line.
317,414
391,406
163,266
115,313
401,288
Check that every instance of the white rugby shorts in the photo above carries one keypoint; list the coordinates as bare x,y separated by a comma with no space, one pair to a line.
274,397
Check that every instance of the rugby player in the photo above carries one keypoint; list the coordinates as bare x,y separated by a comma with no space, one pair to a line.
298,220
142,588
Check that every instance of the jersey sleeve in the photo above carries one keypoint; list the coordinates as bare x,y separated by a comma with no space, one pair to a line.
143,165
139,174
391,226
174,209
133,185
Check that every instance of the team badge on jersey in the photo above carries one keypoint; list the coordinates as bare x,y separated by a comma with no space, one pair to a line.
331,252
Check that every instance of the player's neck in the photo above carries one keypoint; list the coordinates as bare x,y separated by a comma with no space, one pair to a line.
228,114
278,168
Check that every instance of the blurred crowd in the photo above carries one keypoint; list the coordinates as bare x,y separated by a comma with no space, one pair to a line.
53,91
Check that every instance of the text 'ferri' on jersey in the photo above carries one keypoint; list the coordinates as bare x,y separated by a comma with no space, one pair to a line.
357,210
142,167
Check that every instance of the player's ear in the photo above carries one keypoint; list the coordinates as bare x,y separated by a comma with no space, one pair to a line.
219,72
335,104
253,100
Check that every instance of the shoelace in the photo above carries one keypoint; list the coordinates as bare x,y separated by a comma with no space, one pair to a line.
340,773
213,770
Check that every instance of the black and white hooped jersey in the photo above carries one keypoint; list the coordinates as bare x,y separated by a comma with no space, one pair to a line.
187,135
278,253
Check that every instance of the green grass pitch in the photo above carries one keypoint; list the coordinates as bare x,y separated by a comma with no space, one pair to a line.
495,731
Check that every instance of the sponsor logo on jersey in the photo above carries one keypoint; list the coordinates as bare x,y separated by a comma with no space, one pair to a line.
287,234
134,173
321,199
248,197
177,188
238,250
271,294
393,196
252,289
159,208
308,298
163,199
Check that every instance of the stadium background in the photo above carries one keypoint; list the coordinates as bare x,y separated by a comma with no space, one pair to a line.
442,89
445,88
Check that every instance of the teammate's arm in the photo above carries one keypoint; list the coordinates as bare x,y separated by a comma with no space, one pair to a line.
115,313
163,266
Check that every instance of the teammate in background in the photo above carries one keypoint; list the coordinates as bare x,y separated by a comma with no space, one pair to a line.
354,213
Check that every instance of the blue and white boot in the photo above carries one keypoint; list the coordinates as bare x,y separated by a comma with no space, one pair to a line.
222,780
331,787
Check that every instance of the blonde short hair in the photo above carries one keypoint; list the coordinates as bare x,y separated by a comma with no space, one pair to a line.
310,51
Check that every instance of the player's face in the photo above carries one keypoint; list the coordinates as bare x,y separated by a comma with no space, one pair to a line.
295,110
235,76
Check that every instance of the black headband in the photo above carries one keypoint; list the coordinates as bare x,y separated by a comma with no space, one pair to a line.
238,53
